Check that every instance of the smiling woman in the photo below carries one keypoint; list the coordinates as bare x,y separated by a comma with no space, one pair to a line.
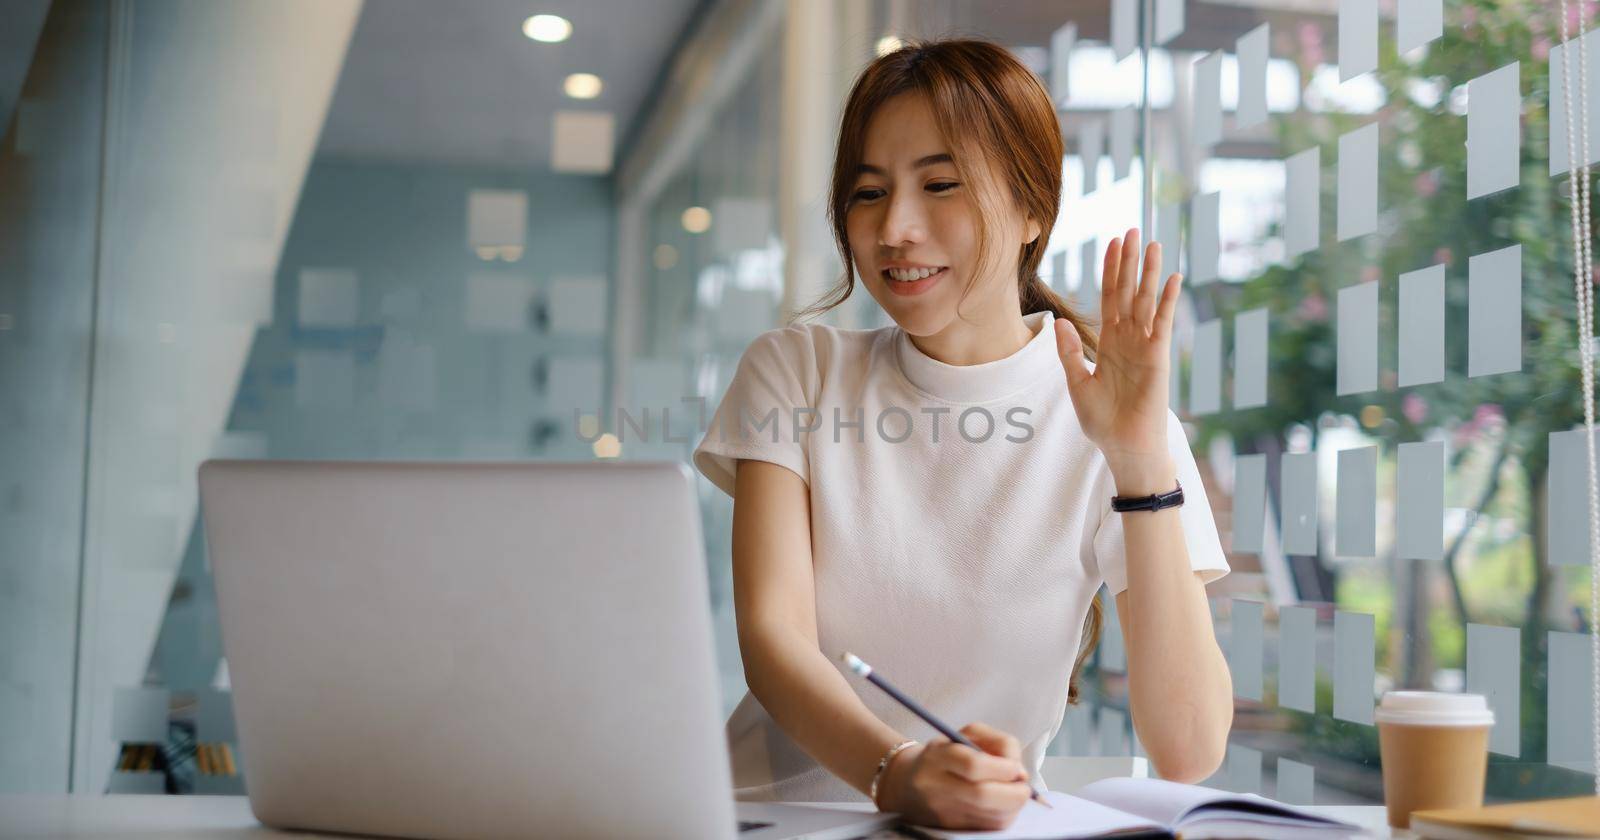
967,571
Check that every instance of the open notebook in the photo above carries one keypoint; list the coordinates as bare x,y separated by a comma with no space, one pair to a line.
1125,808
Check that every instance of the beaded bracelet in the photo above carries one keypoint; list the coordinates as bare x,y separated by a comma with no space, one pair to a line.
883,764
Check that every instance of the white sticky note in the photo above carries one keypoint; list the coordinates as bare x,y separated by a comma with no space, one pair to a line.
1298,479
1358,38
1250,358
1249,503
1567,513
1169,232
1421,327
1296,783
1244,769
1303,202
1124,27
1245,633
1494,312
578,305
582,141
1358,182
1208,101
1061,44
1570,703
1353,667
1091,144
1113,655
1252,49
497,303
1416,23
1169,20
329,297
1558,100
1113,732
1357,327
1297,658
1204,233
1205,387
1419,501
1123,121
1087,291
497,219
1494,131
1356,503
1494,669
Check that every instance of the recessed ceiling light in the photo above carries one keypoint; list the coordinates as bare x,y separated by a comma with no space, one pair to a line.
551,29
582,86
888,44
697,220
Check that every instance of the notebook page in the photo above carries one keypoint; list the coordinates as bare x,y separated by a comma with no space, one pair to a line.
1071,818
1175,804
1154,799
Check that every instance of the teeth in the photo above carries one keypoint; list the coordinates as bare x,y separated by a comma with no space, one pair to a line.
906,275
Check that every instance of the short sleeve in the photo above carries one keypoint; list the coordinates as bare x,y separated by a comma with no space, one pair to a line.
1199,525
764,411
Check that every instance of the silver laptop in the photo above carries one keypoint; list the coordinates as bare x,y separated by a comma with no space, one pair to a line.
478,650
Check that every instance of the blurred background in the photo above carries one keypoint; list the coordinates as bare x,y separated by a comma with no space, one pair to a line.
521,230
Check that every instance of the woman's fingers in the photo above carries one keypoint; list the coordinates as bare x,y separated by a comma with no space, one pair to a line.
993,741
1108,281
1168,307
1128,276
1144,303
976,766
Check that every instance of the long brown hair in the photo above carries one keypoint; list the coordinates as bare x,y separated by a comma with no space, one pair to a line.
989,108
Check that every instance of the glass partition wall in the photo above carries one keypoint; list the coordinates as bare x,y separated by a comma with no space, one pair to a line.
1375,360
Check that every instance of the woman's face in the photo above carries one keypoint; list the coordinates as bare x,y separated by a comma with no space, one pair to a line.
913,225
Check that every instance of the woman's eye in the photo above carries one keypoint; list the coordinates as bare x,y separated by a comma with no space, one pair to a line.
943,186
868,194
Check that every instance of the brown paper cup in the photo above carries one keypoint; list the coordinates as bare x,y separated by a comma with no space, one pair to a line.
1434,748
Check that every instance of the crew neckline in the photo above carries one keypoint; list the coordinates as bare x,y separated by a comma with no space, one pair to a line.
989,380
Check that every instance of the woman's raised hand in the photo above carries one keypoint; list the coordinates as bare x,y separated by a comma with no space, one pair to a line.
949,785
1122,403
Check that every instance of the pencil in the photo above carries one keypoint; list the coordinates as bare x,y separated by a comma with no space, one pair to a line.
862,669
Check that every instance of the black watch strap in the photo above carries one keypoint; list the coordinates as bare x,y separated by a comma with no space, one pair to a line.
1169,499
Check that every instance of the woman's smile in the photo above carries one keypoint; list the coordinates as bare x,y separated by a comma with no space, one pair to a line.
913,281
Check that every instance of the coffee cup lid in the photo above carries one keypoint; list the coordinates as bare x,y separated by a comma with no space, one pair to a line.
1434,708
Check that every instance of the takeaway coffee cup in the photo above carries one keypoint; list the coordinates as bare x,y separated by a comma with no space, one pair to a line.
1434,747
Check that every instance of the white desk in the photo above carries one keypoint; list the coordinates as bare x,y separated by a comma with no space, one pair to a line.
196,817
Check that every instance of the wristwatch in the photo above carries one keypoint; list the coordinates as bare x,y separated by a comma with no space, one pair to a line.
1169,499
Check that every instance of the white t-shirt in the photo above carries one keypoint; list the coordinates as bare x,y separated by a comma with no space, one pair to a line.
960,568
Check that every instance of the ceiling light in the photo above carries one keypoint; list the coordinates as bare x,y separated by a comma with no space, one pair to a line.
551,29
697,220
888,44
666,256
582,86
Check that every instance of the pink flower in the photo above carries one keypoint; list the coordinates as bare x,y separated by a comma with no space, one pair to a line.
1414,408
1442,256
1541,48
1469,16
1369,273
1313,307
1311,43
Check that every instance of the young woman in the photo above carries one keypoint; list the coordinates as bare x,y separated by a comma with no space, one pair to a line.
936,496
